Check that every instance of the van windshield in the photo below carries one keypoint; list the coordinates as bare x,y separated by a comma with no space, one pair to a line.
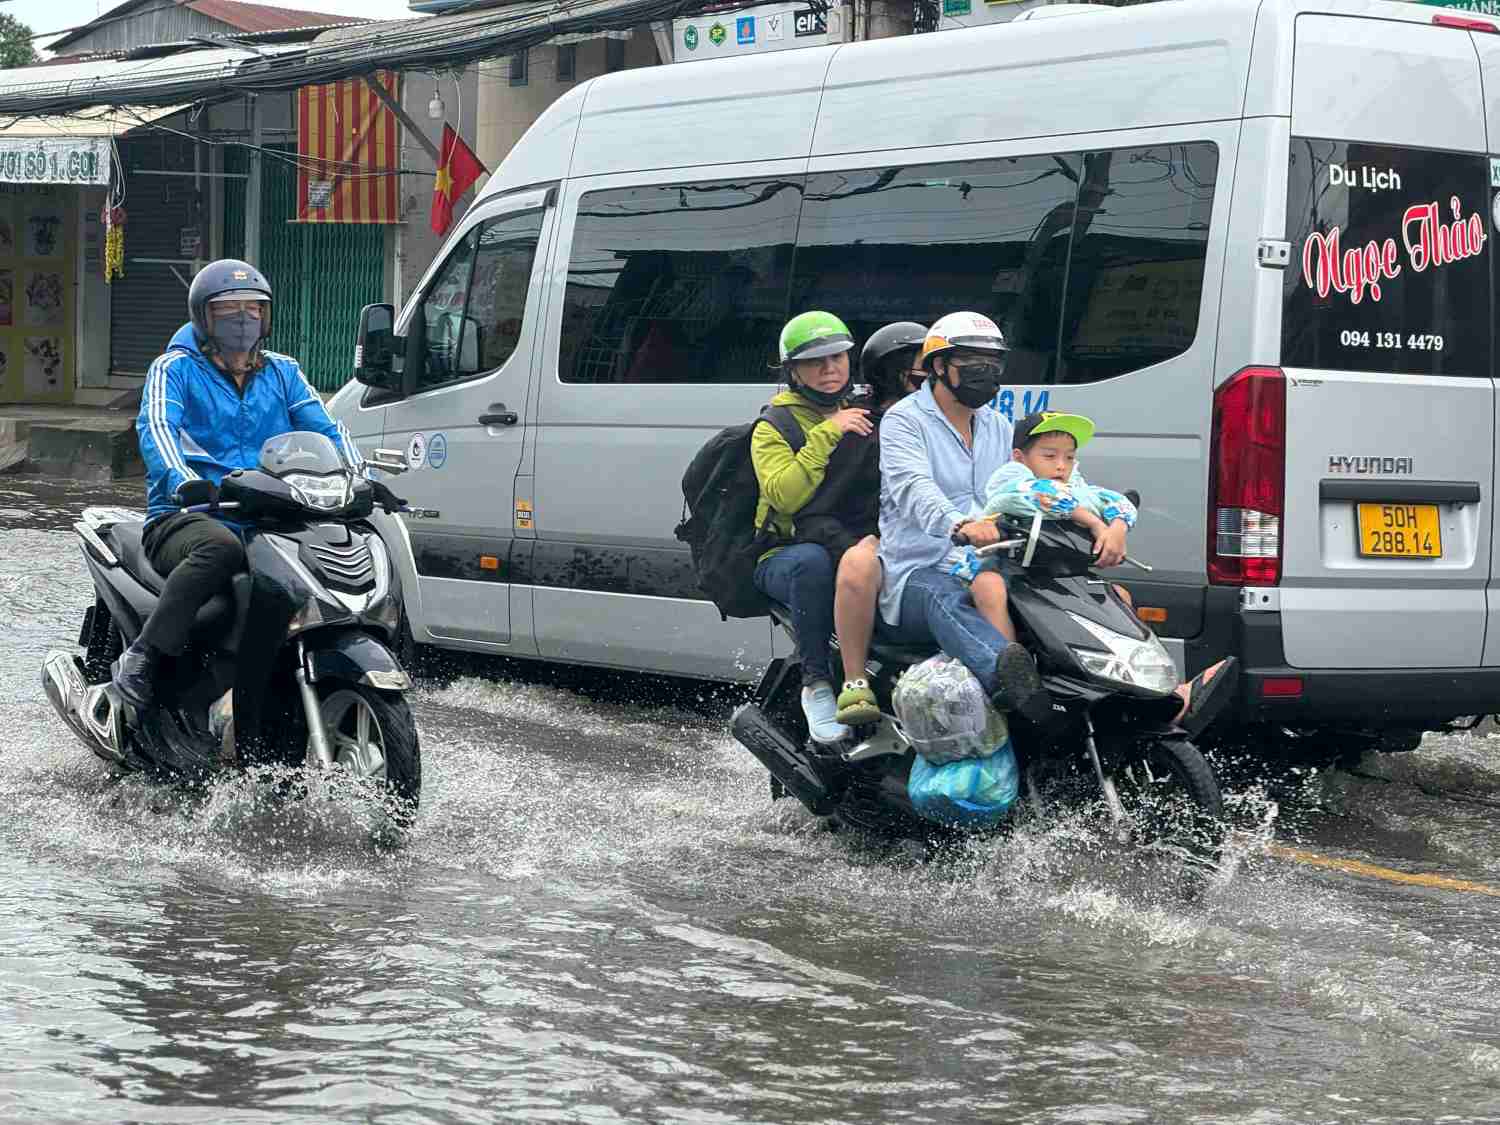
1390,266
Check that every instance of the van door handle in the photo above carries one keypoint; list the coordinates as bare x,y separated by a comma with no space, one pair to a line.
497,415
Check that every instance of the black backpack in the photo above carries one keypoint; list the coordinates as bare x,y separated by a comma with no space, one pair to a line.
720,494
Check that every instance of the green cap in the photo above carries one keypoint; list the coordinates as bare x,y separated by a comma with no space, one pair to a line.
812,335
1081,429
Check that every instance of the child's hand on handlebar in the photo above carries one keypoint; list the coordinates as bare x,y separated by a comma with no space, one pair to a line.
1109,543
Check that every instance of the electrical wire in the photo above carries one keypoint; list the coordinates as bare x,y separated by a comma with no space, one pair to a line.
411,45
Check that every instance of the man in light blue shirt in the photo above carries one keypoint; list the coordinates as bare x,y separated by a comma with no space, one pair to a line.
938,447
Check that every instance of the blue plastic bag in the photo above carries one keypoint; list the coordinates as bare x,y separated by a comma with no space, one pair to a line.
969,793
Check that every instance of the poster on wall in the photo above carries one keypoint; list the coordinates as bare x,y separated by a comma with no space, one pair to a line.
38,279
44,372
44,298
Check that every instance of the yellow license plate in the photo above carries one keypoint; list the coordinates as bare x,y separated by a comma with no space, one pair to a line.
1400,531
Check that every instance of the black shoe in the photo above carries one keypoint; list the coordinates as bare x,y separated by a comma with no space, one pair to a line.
1021,687
134,675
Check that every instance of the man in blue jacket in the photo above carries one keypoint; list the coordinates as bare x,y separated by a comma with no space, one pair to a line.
210,402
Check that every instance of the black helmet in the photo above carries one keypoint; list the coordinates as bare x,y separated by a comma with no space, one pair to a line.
227,278
883,344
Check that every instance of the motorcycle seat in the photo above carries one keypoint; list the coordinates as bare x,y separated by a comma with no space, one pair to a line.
221,619
908,655
884,652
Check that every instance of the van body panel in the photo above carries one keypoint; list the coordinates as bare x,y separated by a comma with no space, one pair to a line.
682,638
607,484
1177,65
598,577
677,116
1488,48
1388,82
1371,99
464,483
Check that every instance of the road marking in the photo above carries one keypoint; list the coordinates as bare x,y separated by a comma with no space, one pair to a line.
1389,874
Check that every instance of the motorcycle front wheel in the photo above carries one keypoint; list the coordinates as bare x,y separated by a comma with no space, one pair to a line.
1171,795
373,736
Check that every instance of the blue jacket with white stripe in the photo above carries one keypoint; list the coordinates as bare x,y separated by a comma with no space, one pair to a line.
196,424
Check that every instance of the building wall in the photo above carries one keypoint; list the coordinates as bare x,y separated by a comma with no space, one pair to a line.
506,111
414,244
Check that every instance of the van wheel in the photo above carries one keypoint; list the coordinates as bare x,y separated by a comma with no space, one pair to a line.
374,738
1171,794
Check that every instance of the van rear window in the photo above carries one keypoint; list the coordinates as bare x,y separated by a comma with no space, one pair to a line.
1390,266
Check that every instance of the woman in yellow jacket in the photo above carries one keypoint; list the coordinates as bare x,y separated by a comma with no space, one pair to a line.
814,352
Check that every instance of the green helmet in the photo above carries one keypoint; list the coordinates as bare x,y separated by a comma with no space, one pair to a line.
812,335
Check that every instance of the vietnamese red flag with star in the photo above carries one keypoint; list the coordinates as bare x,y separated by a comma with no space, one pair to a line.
458,168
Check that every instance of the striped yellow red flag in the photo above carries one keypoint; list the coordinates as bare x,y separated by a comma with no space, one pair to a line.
347,152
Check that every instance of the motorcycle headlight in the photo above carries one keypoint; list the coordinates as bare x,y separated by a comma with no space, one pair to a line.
1126,660
322,493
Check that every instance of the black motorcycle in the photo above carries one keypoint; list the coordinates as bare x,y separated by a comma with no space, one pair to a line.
1112,733
336,693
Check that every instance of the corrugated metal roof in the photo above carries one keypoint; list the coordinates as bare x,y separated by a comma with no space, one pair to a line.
236,14
89,123
95,82
437,42
262,17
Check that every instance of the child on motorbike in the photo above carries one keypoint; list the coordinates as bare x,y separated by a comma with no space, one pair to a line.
1043,476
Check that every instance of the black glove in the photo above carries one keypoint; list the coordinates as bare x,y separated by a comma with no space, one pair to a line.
191,493
387,499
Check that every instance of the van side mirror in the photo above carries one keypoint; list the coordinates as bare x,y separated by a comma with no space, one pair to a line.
374,351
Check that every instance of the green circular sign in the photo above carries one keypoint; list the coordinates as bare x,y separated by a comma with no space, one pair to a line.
690,38
717,34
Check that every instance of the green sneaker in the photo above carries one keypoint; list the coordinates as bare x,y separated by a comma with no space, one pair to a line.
857,704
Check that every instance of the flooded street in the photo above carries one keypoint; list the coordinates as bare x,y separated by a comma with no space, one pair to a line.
600,917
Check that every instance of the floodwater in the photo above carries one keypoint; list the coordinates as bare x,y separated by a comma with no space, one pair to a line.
601,918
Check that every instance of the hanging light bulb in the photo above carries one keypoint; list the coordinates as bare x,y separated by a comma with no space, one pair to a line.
435,108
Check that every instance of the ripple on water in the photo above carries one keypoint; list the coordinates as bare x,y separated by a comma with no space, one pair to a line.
599,916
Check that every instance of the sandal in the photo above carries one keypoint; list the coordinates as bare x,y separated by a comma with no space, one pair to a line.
857,704
1206,698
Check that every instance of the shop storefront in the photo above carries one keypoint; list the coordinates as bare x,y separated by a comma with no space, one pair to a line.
42,187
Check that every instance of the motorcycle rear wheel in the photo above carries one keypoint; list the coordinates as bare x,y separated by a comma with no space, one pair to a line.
374,737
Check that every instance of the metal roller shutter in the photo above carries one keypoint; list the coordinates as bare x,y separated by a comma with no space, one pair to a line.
149,303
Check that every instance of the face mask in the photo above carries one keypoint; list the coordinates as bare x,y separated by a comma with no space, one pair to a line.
977,383
236,333
822,398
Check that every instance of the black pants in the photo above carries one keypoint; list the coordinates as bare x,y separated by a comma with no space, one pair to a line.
198,555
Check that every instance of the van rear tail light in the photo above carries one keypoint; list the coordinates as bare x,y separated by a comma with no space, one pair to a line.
1247,479
1465,23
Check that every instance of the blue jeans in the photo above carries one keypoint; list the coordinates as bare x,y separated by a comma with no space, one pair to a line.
800,577
936,608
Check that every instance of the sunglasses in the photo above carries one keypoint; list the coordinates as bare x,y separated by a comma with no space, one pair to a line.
980,367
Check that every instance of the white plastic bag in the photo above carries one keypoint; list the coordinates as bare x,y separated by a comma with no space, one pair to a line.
944,711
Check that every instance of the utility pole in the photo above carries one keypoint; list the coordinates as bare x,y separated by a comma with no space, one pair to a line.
253,186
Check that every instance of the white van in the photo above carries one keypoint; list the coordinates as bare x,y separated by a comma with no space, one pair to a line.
1250,238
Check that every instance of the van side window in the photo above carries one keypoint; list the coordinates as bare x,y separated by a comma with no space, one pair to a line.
472,313
1135,276
1390,267
913,243
680,283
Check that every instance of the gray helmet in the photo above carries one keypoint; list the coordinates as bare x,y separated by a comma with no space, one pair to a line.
903,336
226,278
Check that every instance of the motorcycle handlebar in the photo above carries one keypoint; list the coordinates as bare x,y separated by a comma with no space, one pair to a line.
227,506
